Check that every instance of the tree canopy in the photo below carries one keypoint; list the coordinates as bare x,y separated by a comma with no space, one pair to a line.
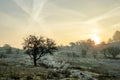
36,47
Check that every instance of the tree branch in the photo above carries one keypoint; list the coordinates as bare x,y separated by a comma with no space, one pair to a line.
42,54
30,56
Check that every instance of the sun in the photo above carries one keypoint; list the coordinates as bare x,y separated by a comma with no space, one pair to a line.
96,39
94,36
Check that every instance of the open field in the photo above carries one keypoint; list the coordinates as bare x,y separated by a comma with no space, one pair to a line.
94,69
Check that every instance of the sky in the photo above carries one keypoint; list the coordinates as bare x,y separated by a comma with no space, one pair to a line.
64,21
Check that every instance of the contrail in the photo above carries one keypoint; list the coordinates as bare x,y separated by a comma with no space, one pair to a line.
74,12
104,16
37,8
24,5
34,9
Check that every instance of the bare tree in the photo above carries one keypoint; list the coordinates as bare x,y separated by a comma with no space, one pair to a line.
36,47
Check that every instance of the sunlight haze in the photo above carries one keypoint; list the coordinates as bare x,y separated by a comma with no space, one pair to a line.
64,21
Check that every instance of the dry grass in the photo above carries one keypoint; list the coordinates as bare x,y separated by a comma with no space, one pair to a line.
14,71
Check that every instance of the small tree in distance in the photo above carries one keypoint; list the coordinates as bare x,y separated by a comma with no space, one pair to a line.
111,51
8,49
36,47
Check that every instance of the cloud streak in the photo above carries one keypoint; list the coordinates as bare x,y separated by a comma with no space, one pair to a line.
108,14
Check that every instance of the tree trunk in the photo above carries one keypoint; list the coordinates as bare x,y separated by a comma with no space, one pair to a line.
35,62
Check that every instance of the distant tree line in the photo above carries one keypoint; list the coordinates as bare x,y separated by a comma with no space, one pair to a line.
110,49
38,46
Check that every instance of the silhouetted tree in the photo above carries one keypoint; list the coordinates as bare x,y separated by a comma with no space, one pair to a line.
8,49
110,40
111,52
104,52
72,44
90,42
116,36
102,43
36,47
